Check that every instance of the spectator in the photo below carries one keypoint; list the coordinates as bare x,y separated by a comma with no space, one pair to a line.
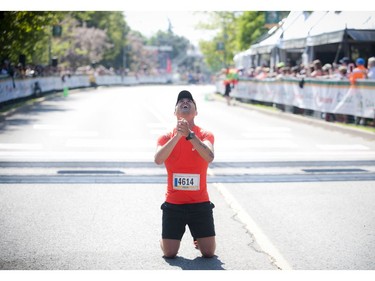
295,71
343,73
327,70
285,71
360,72
318,71
3,70
344,61
261,72
371,68
279,67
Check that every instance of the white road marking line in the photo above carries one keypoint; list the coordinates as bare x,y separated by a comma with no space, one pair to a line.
81,134
342,147
255,129
78,155
268,135
256,143
25,146
158,125
109,143
262,240
158,132
44,127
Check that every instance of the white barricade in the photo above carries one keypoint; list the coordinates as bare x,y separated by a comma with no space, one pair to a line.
330,96
19,88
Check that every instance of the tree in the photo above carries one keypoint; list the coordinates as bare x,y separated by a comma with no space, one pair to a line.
26,33
139,59
250,28
116,29
79,45
220,50
30,33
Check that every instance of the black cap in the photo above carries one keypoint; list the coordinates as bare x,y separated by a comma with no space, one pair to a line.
185,95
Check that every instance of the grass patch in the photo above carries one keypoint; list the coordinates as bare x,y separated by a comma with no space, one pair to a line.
360,127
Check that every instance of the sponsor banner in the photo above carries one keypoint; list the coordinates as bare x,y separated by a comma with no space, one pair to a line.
330,96
10,89
19,88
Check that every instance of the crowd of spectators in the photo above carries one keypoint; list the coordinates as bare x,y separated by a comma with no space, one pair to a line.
19,71
343,70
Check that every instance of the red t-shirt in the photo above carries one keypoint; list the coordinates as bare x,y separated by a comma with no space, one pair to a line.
187,170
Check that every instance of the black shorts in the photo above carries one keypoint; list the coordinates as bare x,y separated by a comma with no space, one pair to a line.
227,90
198,216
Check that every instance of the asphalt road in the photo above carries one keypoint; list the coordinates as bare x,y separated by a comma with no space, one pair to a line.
79,190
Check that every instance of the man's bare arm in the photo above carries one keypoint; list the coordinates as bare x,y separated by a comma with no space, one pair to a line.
205,149
163,152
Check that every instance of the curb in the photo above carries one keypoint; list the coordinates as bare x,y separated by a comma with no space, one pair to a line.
305,120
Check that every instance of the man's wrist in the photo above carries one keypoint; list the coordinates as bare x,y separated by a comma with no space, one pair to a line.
190,136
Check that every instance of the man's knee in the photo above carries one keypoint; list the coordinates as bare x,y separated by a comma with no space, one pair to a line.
170,248
208,254
170,254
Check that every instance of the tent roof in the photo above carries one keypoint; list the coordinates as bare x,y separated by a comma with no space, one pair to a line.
295,36
320,27
272,41
359,25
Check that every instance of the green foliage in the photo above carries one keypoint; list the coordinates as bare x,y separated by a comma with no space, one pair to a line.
116,28
79,45
30,33
250,28
226,24
21,32
213,58
237,31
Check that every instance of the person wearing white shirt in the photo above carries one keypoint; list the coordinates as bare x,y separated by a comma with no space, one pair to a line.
371,68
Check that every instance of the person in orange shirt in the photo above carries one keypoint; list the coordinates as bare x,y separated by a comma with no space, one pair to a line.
360,72
186,152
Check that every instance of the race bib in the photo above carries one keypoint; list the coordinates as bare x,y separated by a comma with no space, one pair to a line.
188,182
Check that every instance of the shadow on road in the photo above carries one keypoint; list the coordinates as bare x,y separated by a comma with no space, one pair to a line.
198,263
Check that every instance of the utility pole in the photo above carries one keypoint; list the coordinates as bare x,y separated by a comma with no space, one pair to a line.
50,47
123,56
225,42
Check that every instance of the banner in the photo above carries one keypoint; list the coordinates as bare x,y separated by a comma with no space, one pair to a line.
19,88
329,96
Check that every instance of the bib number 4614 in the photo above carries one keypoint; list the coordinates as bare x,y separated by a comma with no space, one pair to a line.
186,181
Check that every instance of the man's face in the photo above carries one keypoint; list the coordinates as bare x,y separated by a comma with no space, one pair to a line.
185,107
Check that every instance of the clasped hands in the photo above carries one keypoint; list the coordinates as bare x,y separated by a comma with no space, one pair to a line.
183,129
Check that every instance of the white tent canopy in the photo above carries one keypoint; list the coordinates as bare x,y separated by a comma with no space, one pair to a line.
300,30
295,36
331,29
320,27
266,46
